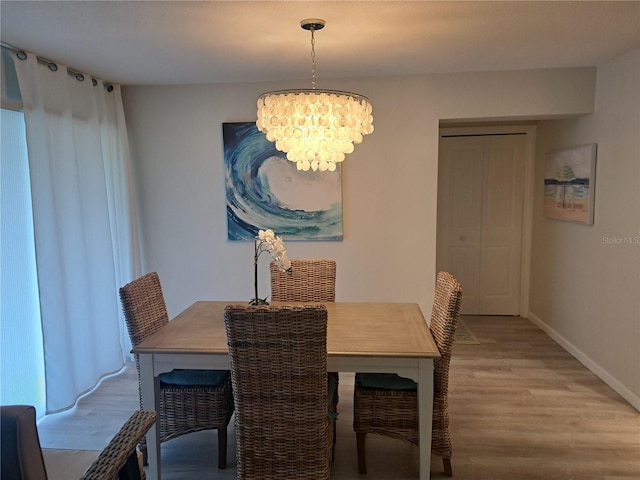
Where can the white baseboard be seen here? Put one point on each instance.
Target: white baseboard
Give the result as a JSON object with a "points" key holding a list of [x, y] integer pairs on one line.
{"points": [[605, 376]]}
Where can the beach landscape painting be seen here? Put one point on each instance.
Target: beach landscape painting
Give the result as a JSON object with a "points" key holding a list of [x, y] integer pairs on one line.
{"points": [[569, 184]]}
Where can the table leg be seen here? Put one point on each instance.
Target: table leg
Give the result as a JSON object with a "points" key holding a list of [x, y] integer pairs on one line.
{"points": [[425, 408], [151, 401]]}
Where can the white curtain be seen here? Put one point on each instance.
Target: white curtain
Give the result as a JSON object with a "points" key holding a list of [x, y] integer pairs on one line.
{"points": [[84, 225]]}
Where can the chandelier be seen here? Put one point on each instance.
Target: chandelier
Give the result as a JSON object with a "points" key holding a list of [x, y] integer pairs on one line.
{"points": [[316, 128]]}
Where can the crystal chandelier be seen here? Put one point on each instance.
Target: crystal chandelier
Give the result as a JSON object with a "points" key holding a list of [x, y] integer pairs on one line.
{"points": [[314, 127]]}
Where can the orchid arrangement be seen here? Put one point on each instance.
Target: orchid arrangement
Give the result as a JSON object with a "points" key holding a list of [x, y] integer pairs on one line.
{"points": [[267, 241]]}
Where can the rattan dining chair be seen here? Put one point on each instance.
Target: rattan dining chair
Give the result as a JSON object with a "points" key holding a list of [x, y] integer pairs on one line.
{"points": [[386, 404], [310, 280], [22, 457], [190, 400], [284, 416]]}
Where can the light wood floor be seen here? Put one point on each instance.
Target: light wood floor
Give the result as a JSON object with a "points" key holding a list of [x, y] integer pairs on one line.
{"points": [[521, 408]]}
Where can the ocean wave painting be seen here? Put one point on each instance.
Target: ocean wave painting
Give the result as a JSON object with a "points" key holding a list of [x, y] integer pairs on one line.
{"points": [[265, 191]]}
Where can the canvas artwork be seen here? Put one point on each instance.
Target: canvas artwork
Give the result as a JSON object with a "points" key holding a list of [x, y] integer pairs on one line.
{"points": [[265, 191], [569, 184]]}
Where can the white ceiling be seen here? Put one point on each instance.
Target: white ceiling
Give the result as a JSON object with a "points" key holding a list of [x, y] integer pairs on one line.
{"points": [[184, 42]]}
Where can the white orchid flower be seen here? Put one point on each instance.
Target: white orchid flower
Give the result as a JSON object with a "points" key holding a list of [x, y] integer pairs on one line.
{"points": [[278, 245], [267, 241], [284, 264], [267, 236]]}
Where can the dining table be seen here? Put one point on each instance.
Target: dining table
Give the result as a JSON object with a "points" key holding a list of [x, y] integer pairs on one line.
{"points": [[361, 337]]}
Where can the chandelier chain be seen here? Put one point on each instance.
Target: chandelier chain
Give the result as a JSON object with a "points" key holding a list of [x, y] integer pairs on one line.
{"points": [[313, 59]]}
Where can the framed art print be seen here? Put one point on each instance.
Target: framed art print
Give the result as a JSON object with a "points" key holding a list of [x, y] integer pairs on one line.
{"points": [[264, 190], [569, 184]]}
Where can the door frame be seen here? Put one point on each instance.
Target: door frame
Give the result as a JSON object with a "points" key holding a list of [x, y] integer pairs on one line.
{"points": [[529, 174]]}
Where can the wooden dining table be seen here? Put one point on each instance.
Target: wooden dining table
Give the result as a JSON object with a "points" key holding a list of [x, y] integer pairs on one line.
{"points": [[361, 337]]}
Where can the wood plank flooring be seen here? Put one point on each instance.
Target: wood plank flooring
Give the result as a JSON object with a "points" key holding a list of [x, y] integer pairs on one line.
{"points": [[521, 408]]}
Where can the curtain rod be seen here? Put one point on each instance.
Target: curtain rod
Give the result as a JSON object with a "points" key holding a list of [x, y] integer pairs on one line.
{"points": [[53, 66]]}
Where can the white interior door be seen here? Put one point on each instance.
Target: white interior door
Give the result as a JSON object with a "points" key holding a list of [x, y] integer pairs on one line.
{"points": [[480, 219], [460, 215]]}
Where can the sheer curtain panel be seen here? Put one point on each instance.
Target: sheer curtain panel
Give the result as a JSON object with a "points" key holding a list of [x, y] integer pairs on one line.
{"points": [[21, 357], [84, 226]]}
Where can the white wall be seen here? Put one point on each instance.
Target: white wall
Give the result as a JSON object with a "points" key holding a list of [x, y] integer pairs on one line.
{"points": [[585, 280], [389, 182]]}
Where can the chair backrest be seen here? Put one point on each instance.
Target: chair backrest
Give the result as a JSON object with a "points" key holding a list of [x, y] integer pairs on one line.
{"points": [[279, 375], [21, 456], [444, 320], [144, 308], [310, 280]]}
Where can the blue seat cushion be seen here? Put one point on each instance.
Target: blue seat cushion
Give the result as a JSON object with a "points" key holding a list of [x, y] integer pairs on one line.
{"points": [[210, 378], [386, 381]]}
